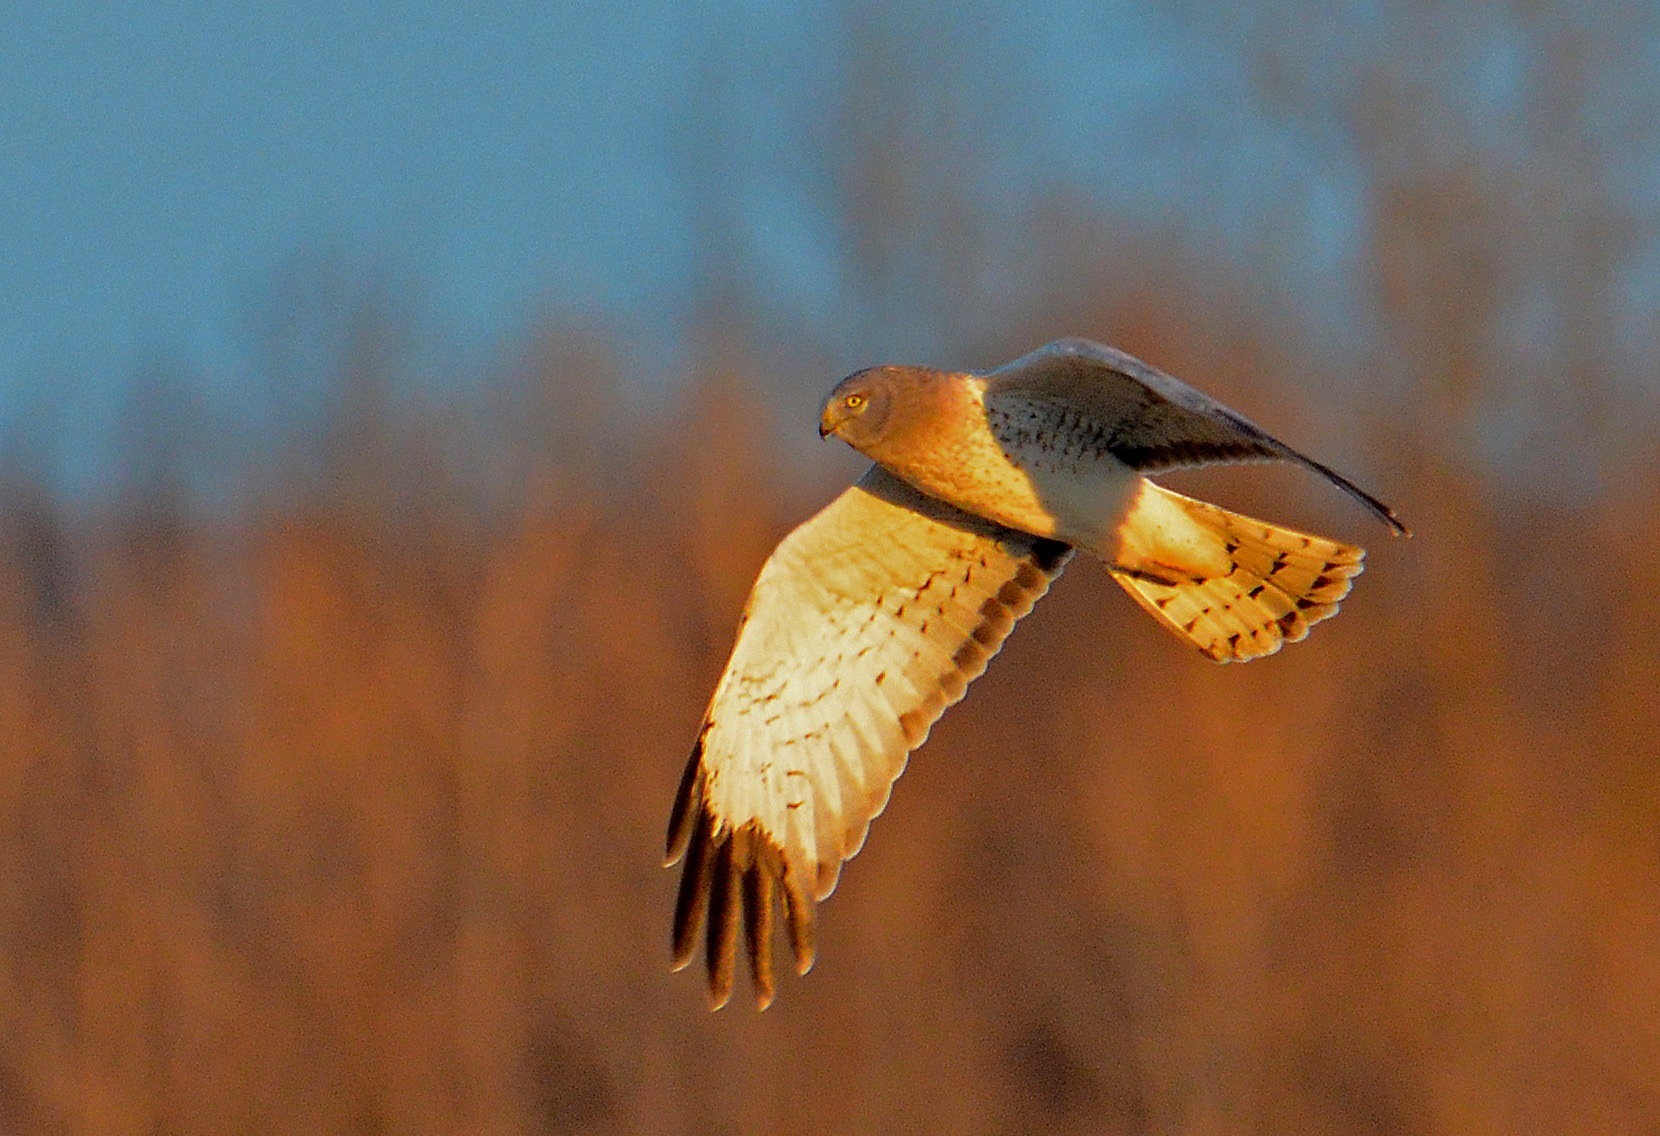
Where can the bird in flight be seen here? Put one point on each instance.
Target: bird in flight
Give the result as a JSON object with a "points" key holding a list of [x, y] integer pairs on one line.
{"points": [[874, 616]]}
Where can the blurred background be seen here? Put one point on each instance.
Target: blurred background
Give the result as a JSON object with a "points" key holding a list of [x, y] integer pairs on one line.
{"points": [[396, 403]]}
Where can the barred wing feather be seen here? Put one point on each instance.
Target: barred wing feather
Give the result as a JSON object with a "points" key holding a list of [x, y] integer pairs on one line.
{"points": [[866, 623]]}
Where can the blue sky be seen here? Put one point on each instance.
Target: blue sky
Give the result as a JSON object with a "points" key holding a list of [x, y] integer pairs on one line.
{"points": [[159, 158], [161, 163]]}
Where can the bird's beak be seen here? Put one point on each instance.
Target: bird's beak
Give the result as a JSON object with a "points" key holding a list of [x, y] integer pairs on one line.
{"points": [[830, 421]]}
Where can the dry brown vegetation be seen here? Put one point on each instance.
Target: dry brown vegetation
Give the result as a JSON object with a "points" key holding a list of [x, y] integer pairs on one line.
{"points": [[340, 810]]}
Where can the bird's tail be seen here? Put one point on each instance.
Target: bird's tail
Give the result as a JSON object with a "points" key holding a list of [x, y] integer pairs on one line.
{"points": [[1234, 587]]}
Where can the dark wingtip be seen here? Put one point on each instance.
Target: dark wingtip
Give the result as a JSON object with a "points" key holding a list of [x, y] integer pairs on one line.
{"points": [[798, 920], [1397, 527], [731, 877], [1383, 512], [759, 884], [693, 898], [690, 791], [724, 901]]}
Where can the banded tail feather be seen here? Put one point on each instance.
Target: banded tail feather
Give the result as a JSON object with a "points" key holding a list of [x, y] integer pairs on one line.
{"points": [[1235, 587]]}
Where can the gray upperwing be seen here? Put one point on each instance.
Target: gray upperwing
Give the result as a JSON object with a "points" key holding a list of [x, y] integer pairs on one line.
{"points": [[1152, 421]]}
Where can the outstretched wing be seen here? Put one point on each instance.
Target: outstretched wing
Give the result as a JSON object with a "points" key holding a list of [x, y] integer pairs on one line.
{"points": [[1147, 419], [864, 625]]}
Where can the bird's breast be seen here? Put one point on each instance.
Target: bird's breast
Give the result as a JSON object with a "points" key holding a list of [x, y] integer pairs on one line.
{"points": [[1025, 464]]}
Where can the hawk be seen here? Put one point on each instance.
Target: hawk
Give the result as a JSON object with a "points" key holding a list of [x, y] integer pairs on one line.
{"points": [[874, 616]]}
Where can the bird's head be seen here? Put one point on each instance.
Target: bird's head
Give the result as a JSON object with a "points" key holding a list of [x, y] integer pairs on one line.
{"points": [[859, 407], [871, 406]]}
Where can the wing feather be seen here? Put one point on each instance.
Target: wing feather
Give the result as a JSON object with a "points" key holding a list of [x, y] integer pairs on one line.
{"points": [[723, 918], [865, 624], [1147, 419], [760, 884]]}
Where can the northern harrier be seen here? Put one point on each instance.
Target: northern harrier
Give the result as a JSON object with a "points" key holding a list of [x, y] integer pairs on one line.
{"points": [[875, 615]]}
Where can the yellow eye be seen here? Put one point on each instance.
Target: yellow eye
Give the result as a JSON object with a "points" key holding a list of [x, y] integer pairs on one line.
{"points": [[853, 401]]}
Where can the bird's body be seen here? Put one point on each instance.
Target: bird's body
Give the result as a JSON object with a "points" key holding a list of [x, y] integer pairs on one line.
{"points": [[872, 618], [1026, 463]]}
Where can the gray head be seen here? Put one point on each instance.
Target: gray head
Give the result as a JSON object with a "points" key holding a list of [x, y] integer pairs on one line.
{"points": [[876, 406]]}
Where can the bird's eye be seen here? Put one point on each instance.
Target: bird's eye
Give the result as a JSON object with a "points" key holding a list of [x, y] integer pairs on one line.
{"points": [[853, 401]]}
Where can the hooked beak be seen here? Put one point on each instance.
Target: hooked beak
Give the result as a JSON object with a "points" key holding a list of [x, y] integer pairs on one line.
{"points": [[832, 418]]}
